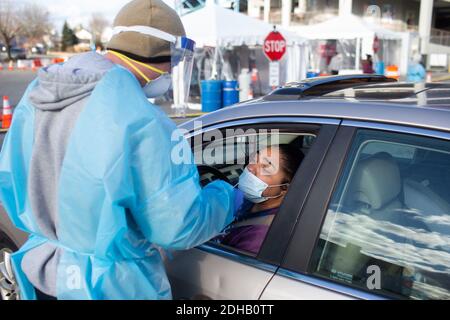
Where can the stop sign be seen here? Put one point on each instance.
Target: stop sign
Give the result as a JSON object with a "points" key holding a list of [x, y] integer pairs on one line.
{"points": [[274, 46]]}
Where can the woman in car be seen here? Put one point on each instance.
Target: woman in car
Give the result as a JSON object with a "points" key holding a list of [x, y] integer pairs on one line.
{"points": [[263, 186]]}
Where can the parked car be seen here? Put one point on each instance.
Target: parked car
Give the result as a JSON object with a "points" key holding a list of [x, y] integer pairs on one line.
{"points": [[38, 49], [367, 215], [18, 53]]}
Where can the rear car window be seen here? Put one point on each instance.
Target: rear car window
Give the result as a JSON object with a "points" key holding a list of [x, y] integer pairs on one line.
{"points": [[387, 228]]}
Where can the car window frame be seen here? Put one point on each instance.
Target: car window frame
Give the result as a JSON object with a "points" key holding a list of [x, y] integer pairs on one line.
{"points": [[299, 255], [326, 129]]}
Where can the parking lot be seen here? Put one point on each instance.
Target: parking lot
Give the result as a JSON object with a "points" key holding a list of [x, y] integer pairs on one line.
{"points": [[14, 83]]}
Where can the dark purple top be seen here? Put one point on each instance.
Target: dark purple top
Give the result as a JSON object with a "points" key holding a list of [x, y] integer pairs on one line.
{"points": [[248, 238]]}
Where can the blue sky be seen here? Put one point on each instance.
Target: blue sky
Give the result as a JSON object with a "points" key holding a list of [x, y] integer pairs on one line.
{"points": [[79, 11]]}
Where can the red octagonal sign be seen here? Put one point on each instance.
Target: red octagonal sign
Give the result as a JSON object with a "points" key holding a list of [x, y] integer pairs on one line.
{"points": [[274, 46]]}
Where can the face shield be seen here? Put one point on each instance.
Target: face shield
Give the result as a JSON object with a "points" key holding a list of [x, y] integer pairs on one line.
{"points": [[182, 59], [182, 64]]}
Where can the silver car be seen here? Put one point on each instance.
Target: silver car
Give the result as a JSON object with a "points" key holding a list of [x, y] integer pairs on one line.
{"points": [[367, 215]]}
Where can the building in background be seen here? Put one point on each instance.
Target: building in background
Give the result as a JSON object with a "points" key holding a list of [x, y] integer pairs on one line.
{"points": [[428, 19], [401, 29]]}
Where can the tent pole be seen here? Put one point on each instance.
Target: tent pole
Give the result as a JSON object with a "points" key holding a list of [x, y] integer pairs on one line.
{"points": [[358, 53]]}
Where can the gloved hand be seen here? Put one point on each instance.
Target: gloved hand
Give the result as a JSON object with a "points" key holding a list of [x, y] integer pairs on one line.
{"points": [[238, 200]]}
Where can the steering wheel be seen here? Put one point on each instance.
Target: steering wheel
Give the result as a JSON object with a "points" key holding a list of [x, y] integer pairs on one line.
{"points": [[203, 169]]}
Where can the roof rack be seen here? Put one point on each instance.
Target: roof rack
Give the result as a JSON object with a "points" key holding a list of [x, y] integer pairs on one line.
{"points": [[316, 87]]}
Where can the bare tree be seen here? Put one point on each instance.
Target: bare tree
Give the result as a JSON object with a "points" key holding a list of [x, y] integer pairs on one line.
{"points": [[10, 24], [36, 24], [97, 25]]}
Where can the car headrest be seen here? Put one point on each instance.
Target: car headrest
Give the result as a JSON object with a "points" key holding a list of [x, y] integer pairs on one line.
{"points": [[376, 181]]}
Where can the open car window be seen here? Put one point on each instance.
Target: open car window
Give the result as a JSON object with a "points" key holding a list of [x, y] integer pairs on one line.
{"points": [[230, 156]]}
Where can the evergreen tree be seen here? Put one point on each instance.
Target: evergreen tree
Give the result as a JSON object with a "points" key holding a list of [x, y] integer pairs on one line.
{"points": [[69, 38]]}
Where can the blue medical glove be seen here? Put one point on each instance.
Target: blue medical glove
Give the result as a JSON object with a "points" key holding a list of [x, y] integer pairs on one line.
{"points": [[238, 200]]}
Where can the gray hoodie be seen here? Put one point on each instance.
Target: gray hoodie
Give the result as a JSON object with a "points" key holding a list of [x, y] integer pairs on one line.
{"points": [[59, 97]]}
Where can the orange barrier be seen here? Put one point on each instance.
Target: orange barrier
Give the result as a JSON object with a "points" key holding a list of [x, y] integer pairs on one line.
{"points": [[37, 63], [7, 113], [392, 72], [58, 60], [32, 64]]}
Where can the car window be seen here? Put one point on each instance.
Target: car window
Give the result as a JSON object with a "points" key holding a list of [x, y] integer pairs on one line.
{"points": [[387, 227], [231, 156]]}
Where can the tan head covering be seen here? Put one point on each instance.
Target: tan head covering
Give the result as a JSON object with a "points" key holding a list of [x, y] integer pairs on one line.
{"points": [[150, 13]]}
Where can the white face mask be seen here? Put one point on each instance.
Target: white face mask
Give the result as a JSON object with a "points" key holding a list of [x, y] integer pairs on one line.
{"points": [[153, 88], [159, 86], [253, 187]]}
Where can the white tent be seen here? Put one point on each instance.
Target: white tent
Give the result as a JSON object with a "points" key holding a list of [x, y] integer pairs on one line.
{"points": [[346, 27], [349, 27], [214, 26]]}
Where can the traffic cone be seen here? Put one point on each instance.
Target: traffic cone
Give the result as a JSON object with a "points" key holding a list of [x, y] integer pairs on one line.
{"points": [[11, 65], [429, 77], [7, 113], [33, 66], [1, 66]]}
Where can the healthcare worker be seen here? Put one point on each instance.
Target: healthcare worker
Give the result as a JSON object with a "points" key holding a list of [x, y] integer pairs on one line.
{"points": [[416, 72], [86, 168]]}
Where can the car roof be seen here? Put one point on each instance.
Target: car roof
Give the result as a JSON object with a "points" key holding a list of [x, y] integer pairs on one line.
{"points": [[430, 94], [323, 85], [426, 116]]}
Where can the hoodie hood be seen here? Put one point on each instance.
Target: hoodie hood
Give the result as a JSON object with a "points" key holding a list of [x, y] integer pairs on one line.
{"points": [[62, 85]]}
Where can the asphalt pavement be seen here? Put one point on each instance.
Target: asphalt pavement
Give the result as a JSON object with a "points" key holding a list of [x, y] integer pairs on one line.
{"points": [[14, 83]]}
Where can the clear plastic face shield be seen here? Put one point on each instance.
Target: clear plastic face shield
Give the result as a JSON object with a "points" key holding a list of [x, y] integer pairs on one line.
{"points": [[182, 62]]}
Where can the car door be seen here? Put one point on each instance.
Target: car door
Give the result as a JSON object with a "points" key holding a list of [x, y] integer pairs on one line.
{"points": [[375, 225], [215, 271]]}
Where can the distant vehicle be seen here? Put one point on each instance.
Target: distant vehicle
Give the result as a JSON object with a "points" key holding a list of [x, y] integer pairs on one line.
{"points": [[18, 53], [38, 50], [3, 54]]}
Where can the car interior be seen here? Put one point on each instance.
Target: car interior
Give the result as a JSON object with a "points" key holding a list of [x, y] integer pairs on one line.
{"points": [[236, 151]]}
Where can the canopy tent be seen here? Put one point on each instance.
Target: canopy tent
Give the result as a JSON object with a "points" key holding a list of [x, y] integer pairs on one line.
{"points": [[346, 27], [351, 27], [215, 26], [218, 27]]}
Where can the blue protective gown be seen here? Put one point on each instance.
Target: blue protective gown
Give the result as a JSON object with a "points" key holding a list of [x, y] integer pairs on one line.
{"points": [[120, 195], [416, 73]]}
